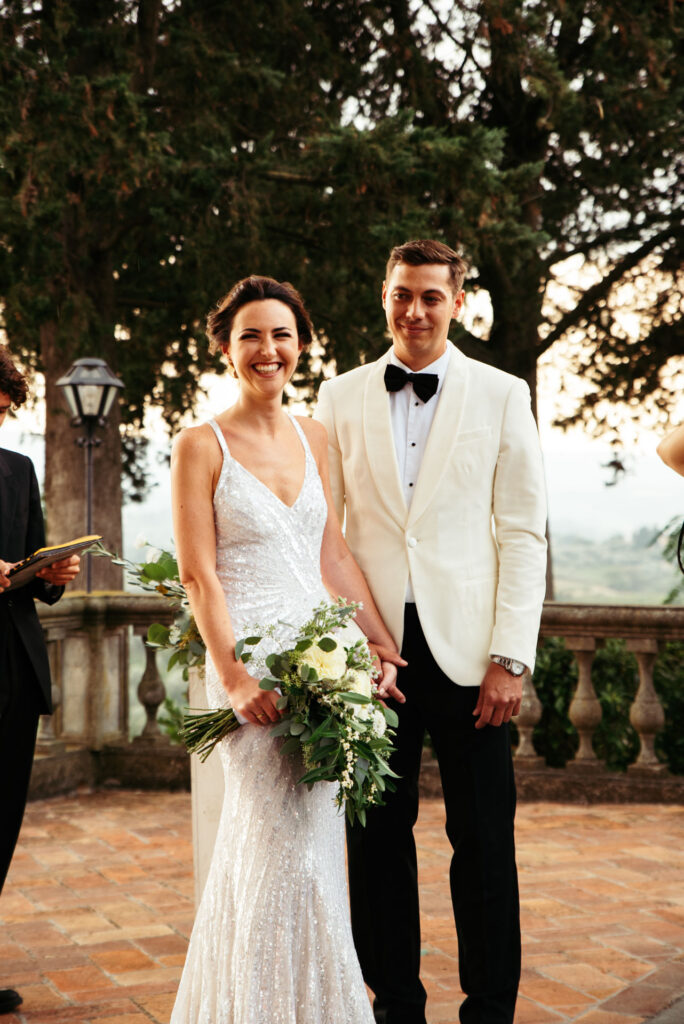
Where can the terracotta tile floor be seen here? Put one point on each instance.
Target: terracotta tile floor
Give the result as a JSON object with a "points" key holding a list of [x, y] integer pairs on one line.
{"points": [[99, 903]]}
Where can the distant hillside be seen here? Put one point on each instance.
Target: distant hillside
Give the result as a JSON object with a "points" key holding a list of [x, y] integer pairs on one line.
{"points": [[617, 570]]}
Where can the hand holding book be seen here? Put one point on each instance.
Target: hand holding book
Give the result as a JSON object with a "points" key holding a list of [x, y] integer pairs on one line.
{"points": [[58, 564]]}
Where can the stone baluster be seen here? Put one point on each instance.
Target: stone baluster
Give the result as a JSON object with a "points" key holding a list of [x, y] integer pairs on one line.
{"points": [[585, 709], [151, 693], [530, 713], [47, 741], [646, 714]]}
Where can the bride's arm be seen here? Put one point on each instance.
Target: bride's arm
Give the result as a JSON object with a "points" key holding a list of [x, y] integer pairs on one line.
{"points": [[342, 575], [195, 467]]}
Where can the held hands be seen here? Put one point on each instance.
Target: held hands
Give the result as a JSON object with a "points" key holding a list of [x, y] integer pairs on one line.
{"points": [[61, 573], [248, 699], [500, 697], [388, 662]]}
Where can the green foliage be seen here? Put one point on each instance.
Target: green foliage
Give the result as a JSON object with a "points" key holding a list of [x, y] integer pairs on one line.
{"points": [[171, 720], [555, 679], [668, 678], [614, 676]]}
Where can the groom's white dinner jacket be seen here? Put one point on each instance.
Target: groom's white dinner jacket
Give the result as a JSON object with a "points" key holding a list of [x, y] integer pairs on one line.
{"points": [[473, 539]]}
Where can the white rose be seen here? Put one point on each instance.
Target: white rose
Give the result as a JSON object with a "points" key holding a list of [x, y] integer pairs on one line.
{"points": [[141, 541], [328, 664], [153, 555], [359, 682]]}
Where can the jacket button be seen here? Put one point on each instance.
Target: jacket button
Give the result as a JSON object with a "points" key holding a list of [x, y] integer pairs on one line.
{"points": [[412, 542]]}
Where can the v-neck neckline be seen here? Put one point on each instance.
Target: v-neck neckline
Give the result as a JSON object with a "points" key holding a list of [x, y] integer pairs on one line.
{"points": [[302, 440]]}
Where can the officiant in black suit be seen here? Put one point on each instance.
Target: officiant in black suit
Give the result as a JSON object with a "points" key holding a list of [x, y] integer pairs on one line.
{"points": [[24, 671]]}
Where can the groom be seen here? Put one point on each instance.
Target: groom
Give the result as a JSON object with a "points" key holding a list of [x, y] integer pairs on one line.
{"points": [[435, 461]]}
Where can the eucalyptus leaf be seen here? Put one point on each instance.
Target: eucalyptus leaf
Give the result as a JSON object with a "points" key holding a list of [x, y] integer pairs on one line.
{"points": [[391, 717], [290, 745], [158, 635], [281, 728]]}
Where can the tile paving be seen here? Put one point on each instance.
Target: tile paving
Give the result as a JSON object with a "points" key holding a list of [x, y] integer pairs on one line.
{"points": [[98, 906]]}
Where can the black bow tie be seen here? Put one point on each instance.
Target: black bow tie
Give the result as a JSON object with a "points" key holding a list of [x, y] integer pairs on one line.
{"points": [[424, 384]]}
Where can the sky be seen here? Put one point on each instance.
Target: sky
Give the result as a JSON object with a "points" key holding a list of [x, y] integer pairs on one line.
{"points": [[580, 503]]}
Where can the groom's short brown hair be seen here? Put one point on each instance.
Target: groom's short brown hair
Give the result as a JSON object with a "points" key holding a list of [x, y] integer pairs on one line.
{"points": [[427, 250]]}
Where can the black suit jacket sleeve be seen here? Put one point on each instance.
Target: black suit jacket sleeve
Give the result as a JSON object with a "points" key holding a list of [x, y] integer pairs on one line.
{"points": [[21, 533]]}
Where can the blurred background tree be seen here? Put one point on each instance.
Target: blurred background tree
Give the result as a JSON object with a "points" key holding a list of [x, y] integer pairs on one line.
{"points": [[155, 152]]}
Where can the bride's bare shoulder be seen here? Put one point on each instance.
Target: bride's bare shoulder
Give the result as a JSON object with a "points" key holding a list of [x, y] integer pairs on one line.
{"points": [[196, 443], [315, 432]]}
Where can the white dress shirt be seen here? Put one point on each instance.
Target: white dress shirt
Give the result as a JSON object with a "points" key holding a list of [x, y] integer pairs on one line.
{"points": [[411, 422]]}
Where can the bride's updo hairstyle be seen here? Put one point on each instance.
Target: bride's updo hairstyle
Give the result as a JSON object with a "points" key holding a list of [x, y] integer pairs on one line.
{"points": [[255, 289]]}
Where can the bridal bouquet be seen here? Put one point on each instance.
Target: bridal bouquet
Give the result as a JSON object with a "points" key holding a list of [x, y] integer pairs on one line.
{"points": [[329, 714]]}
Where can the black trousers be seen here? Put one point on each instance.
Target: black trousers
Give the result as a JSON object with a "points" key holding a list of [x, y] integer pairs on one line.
{"points": [[21, 704], [479, 793]]}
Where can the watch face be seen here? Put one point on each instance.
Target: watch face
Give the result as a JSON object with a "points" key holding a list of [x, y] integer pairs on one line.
{"points": [[517, 668]]}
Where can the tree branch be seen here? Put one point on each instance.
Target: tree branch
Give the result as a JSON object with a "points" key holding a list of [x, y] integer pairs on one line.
{"points": [[600, 290], [599, 241]]}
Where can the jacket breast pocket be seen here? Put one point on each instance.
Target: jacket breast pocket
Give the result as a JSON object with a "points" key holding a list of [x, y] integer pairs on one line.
{"points": [[473, 451]]}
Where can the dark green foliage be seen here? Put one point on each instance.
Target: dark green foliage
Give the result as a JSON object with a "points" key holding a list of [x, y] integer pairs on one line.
{"points": [[668, 678], [171, 720], [555, 679], [615, 678]]}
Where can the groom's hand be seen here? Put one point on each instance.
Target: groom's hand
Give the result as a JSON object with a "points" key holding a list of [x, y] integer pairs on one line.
{"points": [[500, 697], [387, 682]]}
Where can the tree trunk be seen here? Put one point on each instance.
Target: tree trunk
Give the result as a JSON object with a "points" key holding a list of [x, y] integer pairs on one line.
{"points": [[65, 472]]}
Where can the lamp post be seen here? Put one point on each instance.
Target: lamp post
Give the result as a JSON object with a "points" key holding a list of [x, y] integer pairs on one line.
{"points": [[89, 388]]}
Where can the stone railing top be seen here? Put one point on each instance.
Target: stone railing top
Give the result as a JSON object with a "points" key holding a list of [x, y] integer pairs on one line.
{"points": [[77, 610], [629, 622]]}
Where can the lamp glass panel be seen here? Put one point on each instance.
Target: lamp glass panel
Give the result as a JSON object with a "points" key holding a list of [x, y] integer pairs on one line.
{"points": [[70, 395], [109, 398], [90, 395]]}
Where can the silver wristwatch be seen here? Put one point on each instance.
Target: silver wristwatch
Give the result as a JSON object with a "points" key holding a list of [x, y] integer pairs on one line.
{"points": [[516, 668]]}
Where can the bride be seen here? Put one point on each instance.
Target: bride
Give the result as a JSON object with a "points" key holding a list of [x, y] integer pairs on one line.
{"points": [[258, 544]]}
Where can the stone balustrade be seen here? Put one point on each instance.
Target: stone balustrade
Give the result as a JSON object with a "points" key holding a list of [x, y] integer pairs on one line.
{"points": [[584, 628], [87, 742]]}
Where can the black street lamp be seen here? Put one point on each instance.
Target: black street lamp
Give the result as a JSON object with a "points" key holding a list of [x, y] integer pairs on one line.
{"points": [[89, 388]]}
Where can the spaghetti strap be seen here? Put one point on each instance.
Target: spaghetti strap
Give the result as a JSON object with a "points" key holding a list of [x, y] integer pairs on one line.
{"points": [[221, 439], [302, 437]]}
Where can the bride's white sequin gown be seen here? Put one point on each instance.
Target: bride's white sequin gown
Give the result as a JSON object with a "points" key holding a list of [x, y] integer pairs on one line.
{"points": [[272, 940]]}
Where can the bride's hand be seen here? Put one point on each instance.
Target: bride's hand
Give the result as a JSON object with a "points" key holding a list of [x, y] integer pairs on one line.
{"points": [[249, 700], [388, 661]]}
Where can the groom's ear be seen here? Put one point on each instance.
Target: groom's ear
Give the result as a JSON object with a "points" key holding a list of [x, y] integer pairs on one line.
{"points": [[458, 304]]}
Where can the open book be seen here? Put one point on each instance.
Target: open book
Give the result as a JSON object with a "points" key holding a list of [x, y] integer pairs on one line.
{"points": [[24, 571]]}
